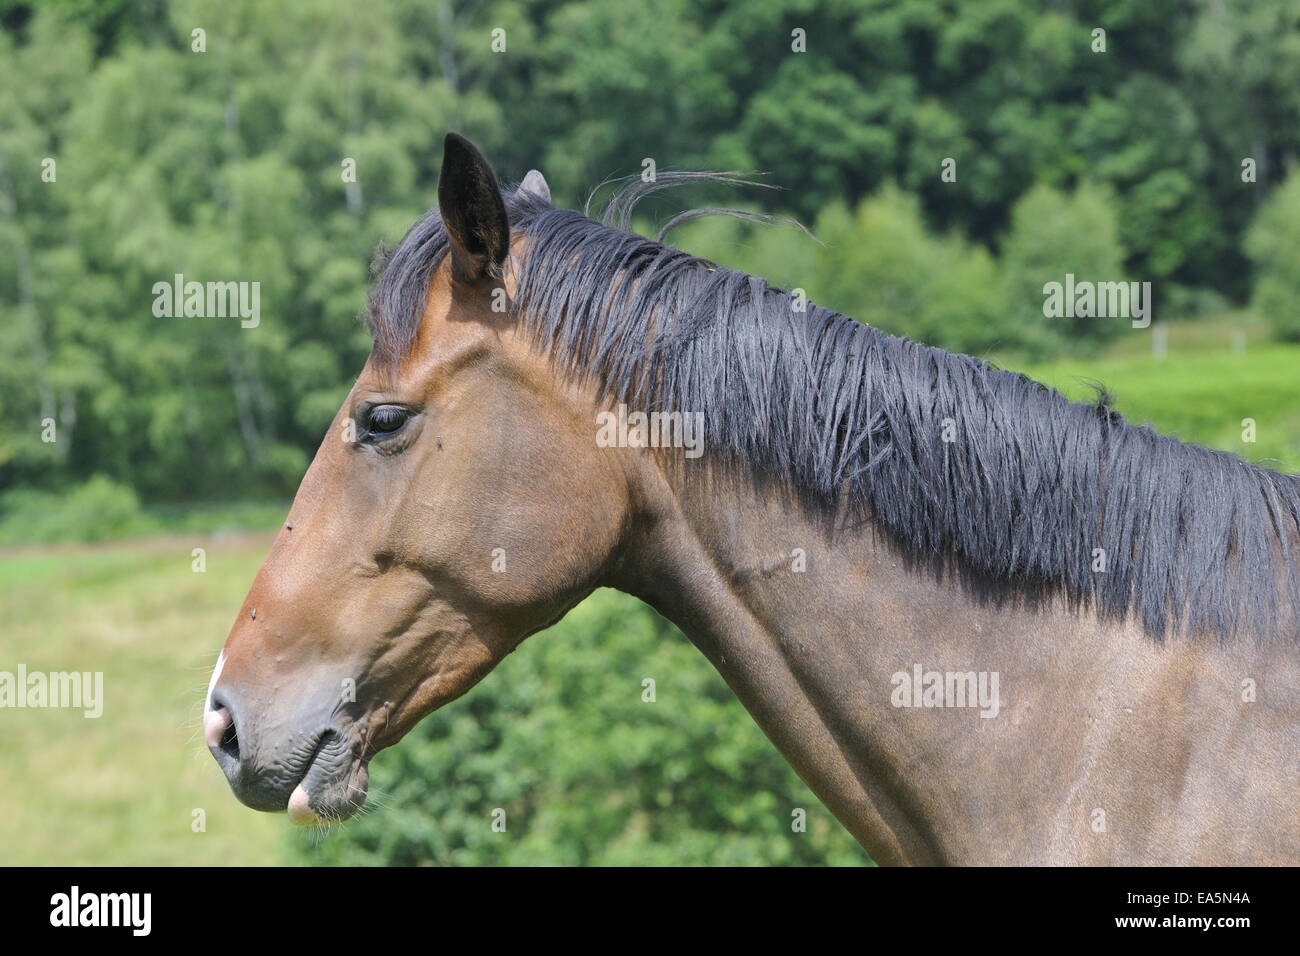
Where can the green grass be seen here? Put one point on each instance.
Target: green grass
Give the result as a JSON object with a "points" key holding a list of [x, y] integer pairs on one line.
{"points": [[121, 788]]}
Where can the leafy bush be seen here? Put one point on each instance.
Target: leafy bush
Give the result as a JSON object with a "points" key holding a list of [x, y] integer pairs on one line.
{"points": [[101, 509], [97, 510], [1273, 244]]}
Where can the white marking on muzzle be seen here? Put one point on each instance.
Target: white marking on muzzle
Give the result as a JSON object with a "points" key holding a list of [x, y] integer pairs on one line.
{"points": [[216, 676]]}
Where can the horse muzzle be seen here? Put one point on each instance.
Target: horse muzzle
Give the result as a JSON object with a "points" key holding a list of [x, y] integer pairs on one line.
{"points": [[308, 764]]}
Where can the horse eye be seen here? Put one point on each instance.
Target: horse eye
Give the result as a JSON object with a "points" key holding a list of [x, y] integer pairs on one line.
{"points": [[386, 419]]}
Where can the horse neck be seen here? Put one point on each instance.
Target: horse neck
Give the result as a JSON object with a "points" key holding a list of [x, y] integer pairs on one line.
{"points": [[811, 618]]}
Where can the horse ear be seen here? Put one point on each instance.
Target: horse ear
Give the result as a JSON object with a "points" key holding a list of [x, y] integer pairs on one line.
{"points": [[472, 209], [535, 183]]}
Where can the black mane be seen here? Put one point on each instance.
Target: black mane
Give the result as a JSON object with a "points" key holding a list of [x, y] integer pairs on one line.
{"points": [[1194, 539]]}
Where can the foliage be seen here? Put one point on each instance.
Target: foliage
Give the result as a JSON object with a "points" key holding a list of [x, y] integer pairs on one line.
{"points": [[102, 510], [227, 164], [99, 510], [1273, 243], [1053, 235]]}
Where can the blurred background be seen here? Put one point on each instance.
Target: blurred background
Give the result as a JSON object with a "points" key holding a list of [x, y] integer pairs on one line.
{"points": [[133, 148]]}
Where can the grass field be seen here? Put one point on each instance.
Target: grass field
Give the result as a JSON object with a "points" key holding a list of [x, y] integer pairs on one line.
{"points": [[122, 789]]}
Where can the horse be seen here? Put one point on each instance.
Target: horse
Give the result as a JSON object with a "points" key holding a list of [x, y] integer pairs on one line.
{"points": [[985, 624]]}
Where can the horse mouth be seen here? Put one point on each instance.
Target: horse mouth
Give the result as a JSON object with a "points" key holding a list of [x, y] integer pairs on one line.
{"points": [[322, 779], [332, 786]]}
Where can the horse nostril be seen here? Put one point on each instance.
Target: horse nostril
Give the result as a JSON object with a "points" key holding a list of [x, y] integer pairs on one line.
{"points": [[230, 742], [219, 730]]}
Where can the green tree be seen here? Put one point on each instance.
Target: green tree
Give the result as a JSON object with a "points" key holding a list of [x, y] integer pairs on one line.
{"points": [[1053, 233], [1273, 244]]}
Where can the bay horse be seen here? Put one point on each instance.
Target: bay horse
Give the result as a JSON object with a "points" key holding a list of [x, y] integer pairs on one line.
{"points": [[985, 624]]}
